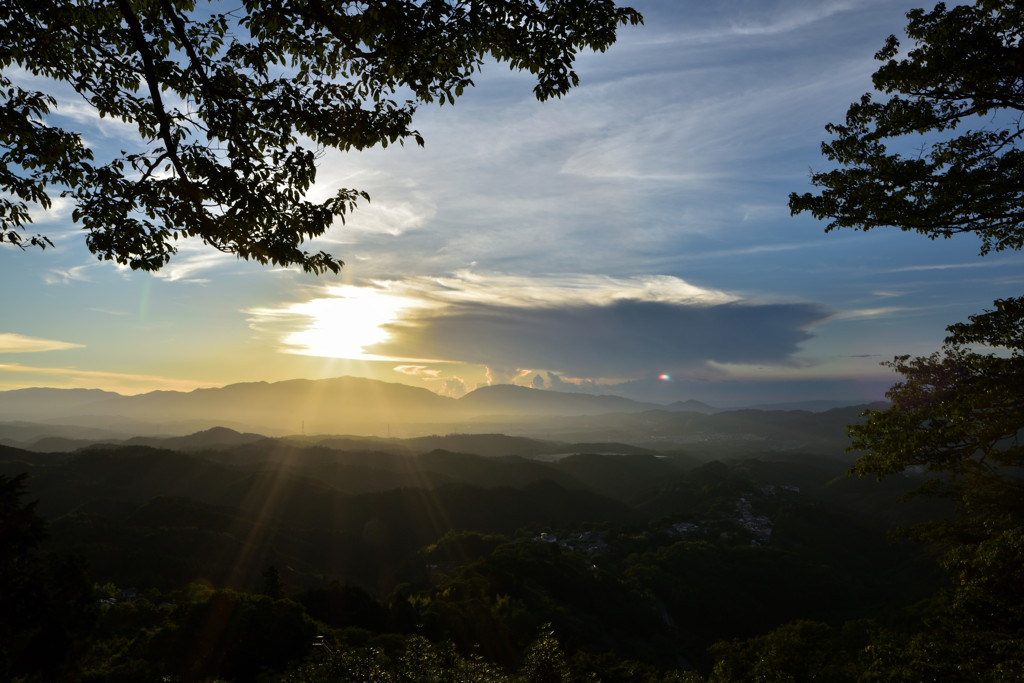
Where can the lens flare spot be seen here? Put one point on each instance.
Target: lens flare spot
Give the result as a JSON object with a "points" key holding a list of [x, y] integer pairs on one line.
{"points": [[664, 377]]}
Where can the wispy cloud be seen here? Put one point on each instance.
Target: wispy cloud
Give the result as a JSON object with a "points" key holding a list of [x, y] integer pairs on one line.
{"points": [[59, 211], [790, 18], [877, 312], [83, 113], [396, 209], [737, 126], [946, 266], [193, 258], [761, 249], [729, 21], [488, 287], [113, 381], [18, 343], [72, 106], [67, 275]]}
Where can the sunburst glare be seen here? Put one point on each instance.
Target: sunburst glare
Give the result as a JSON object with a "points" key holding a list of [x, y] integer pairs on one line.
{"points": [[347, 323]]}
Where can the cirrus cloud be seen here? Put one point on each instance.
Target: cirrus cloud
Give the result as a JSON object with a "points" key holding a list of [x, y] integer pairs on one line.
{"points": [[19, 343]]}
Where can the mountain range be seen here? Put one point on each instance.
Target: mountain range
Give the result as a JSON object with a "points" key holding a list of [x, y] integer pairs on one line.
{"points": [[339, 405], [377, 414]]}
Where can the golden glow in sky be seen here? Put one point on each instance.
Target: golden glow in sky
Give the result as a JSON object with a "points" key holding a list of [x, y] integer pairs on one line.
{"points": [[636, 231], [345, 323]]}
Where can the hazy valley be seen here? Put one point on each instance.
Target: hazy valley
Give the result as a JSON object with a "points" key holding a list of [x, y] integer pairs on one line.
{"points": [[642, 534]]}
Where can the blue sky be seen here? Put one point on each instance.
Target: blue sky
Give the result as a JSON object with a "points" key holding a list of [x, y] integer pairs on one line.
{"points": [[631, 238]]}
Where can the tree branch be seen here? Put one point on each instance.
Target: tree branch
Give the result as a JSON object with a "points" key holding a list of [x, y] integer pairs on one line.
{"points": [[153, 83]]}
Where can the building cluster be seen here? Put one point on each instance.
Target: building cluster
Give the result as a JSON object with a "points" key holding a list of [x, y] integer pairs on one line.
{"points": [[586, 542], [759, 526]]}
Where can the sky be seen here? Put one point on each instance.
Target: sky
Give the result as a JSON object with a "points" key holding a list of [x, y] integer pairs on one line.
{"points": [[630, 238]]}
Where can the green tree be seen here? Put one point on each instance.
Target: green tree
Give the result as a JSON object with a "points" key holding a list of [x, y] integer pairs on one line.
{"points": [[233, 106], [47, 606], [544, 661], [799, 651], [273, 584], [957, 98], [941, 154], [233, 635], [21, 530], [958, 417]]}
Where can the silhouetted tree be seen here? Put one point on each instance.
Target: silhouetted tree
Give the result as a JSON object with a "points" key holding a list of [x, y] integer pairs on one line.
{"points": [[958, 417], [273, 586], [223, 101], [235, 635], [46, 602], [942, 155]]}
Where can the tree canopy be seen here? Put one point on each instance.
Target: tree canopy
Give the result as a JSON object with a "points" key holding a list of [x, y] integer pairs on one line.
{"points": [[958, 416], [941, 153], [46, 600], [234, 104], [958, 410], [958, 95]]}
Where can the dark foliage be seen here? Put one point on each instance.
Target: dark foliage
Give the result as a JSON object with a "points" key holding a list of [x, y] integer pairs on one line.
{"points": [[222, 101], [46, 602]]}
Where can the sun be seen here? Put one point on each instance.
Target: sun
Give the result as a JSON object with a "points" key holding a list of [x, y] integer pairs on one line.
{"points": [[346, 323]]}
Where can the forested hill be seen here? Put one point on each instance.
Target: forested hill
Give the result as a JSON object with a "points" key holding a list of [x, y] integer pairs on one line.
{"points": [[638, 559]]}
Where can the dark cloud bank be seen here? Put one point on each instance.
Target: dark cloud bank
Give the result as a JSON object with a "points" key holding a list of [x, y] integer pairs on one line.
{"points": [[627, 338]]}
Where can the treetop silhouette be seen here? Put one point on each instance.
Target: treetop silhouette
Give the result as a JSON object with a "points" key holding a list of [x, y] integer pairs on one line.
{"points": [[233, 107]]}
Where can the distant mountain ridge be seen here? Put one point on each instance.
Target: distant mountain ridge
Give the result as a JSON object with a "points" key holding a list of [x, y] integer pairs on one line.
{"points": [[292, 406], [35, 399], [359, 406], [338, 405], [215, 437], [499, 399], [694, 406]]}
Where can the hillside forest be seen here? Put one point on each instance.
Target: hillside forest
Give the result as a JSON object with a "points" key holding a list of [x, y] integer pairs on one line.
{"points": [[745, 554]]}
